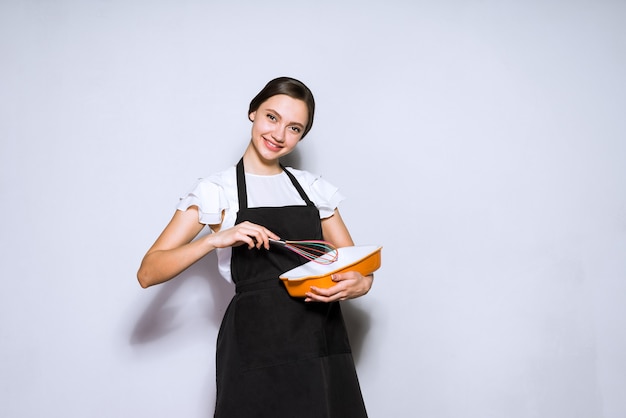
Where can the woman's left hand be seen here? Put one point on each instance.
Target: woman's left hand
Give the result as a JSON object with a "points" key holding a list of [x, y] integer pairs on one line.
{"points": [[349, 285]]}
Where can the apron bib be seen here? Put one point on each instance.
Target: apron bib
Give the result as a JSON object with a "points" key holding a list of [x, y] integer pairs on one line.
{"points": [[278, 356]]}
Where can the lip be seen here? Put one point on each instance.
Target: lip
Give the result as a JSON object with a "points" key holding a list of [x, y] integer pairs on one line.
{"points": [[272, 145]]}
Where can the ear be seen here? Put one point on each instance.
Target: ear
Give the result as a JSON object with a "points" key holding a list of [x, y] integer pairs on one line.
{"points": [[251, 116]]}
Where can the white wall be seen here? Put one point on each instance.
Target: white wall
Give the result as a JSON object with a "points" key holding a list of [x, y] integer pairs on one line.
{"points": [[481, 142]]}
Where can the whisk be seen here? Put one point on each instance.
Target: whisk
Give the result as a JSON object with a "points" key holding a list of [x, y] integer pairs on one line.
{"points": [[322, 252]]}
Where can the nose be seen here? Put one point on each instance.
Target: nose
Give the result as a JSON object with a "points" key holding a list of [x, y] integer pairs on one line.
{"points": [[279, 134]]}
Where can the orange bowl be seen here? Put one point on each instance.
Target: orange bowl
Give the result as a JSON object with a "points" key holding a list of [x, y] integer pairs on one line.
{"points": [[363, 259]]}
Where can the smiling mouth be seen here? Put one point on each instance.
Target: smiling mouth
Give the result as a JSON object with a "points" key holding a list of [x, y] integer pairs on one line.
{"points": [[272, 145]]}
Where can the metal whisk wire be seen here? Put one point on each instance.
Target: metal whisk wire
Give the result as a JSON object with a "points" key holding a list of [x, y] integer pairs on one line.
{"points": [[318, 251]]}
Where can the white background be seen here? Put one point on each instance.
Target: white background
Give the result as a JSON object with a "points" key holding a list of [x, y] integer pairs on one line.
{"points": [[482, 143]]}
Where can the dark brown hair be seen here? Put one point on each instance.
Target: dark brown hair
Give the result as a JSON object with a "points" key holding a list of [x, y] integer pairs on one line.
{"points": [[290, 87]]}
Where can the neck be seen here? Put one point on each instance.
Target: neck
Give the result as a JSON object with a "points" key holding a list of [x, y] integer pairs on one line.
{"points": [[254, 164]]}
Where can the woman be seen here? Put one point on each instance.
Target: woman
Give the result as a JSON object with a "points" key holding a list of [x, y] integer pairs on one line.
{"points": [[277, 356]]}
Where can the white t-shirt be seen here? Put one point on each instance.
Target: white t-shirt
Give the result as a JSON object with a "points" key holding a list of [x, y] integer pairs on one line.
{"points": [[218, 193]]}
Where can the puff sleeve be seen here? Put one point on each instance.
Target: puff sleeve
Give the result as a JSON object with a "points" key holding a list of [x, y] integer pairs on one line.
{"points": [[324, 194], [209, 197]]}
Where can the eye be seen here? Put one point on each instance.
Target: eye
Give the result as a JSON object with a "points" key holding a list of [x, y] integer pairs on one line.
{"points": [[296, 129], [271, 117]]}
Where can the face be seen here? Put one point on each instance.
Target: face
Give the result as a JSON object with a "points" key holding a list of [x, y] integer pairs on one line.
{"points": [[277, 126]]}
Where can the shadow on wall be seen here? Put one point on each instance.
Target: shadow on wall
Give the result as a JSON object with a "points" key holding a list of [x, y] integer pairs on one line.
{"points": [[200, 287], [358, 324]]}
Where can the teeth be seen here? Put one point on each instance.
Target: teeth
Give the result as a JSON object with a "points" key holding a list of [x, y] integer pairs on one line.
{"points": [[273, 145]]}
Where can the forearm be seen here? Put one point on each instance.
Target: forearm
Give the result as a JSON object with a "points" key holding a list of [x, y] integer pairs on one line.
{"points": [[159, 266], [175, 250]]}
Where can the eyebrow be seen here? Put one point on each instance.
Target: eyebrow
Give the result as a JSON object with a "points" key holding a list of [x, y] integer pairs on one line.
{"points": [[280, 116]]}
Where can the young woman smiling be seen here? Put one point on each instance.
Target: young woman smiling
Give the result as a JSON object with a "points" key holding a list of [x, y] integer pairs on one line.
{"points": [[277, 356]]}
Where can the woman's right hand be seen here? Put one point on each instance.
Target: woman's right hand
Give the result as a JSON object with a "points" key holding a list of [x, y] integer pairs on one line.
{"points": [[245, 233]]}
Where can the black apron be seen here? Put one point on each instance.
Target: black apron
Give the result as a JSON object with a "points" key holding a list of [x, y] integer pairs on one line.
{"points": [[278, 356]]}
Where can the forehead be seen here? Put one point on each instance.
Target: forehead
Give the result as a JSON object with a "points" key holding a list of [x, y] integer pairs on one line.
{"points": [[287, 107]]}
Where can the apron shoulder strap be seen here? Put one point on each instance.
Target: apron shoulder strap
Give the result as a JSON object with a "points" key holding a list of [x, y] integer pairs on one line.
{"points": [[241, 186], [298, 187]]}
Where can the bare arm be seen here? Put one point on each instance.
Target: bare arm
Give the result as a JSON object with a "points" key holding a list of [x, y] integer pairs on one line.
{"points": [[335, 231], [174, 250], [350, 284]]}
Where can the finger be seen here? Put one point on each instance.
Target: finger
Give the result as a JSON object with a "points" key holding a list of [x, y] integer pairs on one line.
{"points": [[260, 234], [318, 291], [263, 238], [339, 277], [253, 239], [253, 236], [311, 297], [332, 293], [267, 235], [250, 240]]}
